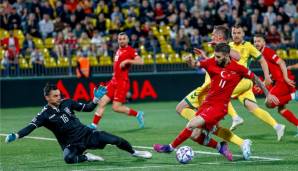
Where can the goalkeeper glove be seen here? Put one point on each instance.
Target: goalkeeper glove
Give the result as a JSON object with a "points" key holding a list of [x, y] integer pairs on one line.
{"points": [[99, 93], [11, 137]]}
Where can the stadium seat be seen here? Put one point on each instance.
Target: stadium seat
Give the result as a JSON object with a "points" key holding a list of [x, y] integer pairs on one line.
{"points": [[148, 59], [3, 33], [38, 42], [155, 31], [183, 54], [143, 50], [23, 63], [165, 30], [108, 24], [293, 53], [62, 62], [93, 61], [174, 58], [49, 43], [19, 34], [45, 53], [50, 63], [74, 61], [282, 53], [2, 52], [161, 58], [105, 60]]}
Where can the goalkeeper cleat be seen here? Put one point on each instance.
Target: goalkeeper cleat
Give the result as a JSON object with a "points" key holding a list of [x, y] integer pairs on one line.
{"points": [[92, 157], [142, 154], [237, 121]]}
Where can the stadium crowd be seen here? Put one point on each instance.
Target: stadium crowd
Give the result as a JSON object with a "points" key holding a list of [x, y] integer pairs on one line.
{"points": [[77, 27]]}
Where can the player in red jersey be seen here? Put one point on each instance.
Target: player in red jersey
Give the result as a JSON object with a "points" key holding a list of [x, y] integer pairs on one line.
{"points": [[284, 85], [119, 85], [225, 74]]}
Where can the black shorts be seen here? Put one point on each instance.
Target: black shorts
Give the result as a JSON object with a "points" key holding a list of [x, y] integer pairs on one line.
{"points": [[94, 140]]}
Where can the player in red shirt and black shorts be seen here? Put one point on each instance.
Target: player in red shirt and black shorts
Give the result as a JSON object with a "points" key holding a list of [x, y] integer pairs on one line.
{"points": [[225, 74], [119, 85], [284, 82]]}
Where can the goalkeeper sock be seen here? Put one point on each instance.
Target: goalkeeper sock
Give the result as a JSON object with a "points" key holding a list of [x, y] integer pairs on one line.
{"points": [[188, 113], [264, 116], [229, 136]]}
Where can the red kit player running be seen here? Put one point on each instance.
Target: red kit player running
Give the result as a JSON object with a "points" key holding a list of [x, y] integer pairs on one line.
{"points": [[284, 84], [119, 85], [225, 74]]}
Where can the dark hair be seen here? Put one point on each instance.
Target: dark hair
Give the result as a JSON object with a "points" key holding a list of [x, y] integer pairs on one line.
{"points": [[222, 47], [122, 34], [237, 26], [224, 31], [48, 88], [260, 35]]}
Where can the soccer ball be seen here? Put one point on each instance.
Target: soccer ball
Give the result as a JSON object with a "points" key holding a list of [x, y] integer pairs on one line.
{"points": [[184, 154]]}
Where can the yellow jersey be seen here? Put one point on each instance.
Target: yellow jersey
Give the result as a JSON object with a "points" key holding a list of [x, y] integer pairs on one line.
{"points": [[247, 52]]}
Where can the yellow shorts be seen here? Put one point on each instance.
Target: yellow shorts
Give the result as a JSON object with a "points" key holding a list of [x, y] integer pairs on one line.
{"points": [[244, 91], [195, 98]]}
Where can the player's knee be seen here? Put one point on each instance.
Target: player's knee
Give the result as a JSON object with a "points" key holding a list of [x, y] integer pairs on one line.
{"points": [[69, 159], [178, 109], [269, 105], [116, 108]]}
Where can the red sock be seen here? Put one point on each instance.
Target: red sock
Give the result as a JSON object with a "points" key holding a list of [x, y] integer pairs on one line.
{"points": [[132, 112], [289, 116], [200, 140], [96, 119], [184, 135]]}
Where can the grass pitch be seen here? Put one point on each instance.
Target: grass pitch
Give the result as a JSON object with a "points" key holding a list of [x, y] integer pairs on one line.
{"points": [[162, 124]]}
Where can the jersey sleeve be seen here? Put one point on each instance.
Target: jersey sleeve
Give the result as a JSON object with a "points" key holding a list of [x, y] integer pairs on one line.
{"points": [[272, 57], [39, 119], [254, 52], [245, 72], [133, 53], [77, 106]]}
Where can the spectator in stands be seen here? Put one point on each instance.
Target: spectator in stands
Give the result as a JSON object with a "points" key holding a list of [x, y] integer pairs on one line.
{"points": [[195, 38], [12, 44], [59, 45], [37, 61], [78, 30], [182, 41], [273, 37], [98, 45], [46, 27], [31, 26], [28, 45], [290, 8], [47, 9], [3, 18], [117, 14], [58, 24], [14, 18], [72, 22], [19, 5], [146, 12], [101, 25], [159, 14], [10, 63], [102, 8], [271, 15], [71, 43], [287, 37], [72, 5], [85, 43]]}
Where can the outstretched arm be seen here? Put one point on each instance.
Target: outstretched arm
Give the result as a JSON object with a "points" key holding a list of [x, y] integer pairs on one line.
{"points": [[284, 70], [191, 61], [295, 66], [98, 94], [265, 69], [23, 132], [136, 61], [269, 97]]}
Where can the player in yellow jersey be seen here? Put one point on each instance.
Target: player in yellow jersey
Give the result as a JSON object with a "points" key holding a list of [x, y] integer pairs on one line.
{"points": [[187, 107], [246, 97]]}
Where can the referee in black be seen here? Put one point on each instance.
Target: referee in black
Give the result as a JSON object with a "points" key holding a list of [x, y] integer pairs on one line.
{"points": [[74, 138]]}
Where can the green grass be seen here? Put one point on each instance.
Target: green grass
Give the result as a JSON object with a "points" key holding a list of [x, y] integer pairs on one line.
{"points": [[162, 125]]}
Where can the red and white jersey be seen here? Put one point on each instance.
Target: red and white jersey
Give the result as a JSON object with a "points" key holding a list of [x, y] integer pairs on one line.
{"points": [[223, 81], [123, 54], [271, 59]]}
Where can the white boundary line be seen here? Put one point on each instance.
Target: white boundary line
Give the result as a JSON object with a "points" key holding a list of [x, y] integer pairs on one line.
{"points": [[150, 148]]}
